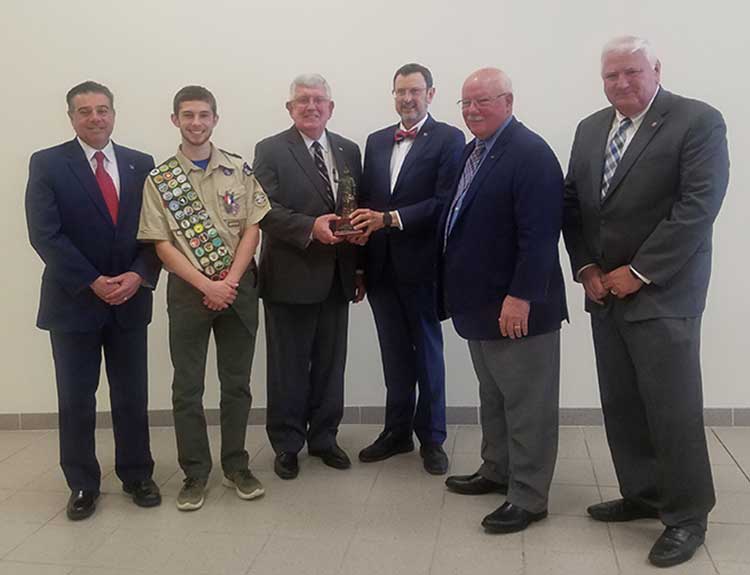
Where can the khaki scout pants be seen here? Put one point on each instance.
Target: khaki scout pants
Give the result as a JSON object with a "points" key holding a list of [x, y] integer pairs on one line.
{"points": [[190, 325]]}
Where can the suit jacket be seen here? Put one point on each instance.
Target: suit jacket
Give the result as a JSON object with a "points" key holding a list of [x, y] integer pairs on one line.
{"points": [[504, 241], [292, 268], [659, 211], [71, 230], [424, 184]]}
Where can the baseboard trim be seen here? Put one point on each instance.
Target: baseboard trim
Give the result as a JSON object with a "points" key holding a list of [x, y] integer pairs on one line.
{"points": [[369, 415]]}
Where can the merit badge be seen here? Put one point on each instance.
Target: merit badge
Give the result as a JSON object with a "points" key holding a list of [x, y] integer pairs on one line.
{"points": [[183, 201], [184, 224], [197, 227], [222, 251], [203, 237], [192, 196], [259, 199], [154, 172], [247, 170], [163, 187], [209, 248], [213, 256], [210, 270], [228, 172], [186, 187], [230, 203], [172, 184], [173, 164], [188, 211], [216, 242], [219, 265], [167, 196], [195, 243], [199, 251], [227, 260], [207, 224], [204, 261], [196, 204], [177, 171], [167, 176], [174, 206], [158, 179], [179, 215], [212, 233], [163, 168], [182, 178]]}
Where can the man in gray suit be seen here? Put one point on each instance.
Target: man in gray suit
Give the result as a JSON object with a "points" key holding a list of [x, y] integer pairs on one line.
{"points": [[646, 180], [307, 277]]}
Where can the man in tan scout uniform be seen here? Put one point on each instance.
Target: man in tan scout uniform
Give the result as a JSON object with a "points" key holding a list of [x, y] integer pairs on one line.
{"points": [[202, 208]]}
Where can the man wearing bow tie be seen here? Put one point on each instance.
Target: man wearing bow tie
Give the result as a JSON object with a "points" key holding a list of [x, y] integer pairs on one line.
{"points": [[408, 172], [83, 200], [646, 179]]}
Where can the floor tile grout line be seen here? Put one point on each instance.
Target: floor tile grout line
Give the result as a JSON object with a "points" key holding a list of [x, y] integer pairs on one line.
{"points": [[729, 451]]}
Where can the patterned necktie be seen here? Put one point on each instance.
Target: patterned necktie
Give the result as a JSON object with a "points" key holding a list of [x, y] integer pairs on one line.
{"points": [[615, 149], [320, 164], [107, 186], [402, 135], [470, 170]]}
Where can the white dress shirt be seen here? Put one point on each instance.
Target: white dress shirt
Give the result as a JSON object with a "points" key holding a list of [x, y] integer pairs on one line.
{"points": [[110, 161]]}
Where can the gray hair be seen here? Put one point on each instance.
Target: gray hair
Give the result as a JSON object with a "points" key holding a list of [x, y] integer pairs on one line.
{"points": [[630, 45], [309, 81]]}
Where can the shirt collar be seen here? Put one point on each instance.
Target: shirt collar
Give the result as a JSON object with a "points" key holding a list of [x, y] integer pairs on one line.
{"points": [[108, 150], [417, 126], [323, 141], [489, 142], [636, 119], [216, 160]]}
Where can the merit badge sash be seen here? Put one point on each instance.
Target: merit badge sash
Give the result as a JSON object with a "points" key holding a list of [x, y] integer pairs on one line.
{"points": [[181, 201]]}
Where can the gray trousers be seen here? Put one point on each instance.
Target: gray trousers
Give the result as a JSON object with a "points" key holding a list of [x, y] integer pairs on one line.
{"points": [[652, 398], [519, 389]]}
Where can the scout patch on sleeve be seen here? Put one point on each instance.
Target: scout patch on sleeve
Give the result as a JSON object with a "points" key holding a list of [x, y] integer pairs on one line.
{"points": [[260, 199], [246, 169]]}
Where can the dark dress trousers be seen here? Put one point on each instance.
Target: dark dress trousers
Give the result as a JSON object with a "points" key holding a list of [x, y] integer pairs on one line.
{"points": [[72, 231], [657, 217], [306, 288], [400, 267]]}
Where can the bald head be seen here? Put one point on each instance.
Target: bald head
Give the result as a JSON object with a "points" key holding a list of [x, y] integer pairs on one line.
{"points": [[486, 101]]}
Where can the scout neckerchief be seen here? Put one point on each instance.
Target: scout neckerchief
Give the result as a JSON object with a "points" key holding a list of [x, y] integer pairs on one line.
{"points": [[181, 201]]}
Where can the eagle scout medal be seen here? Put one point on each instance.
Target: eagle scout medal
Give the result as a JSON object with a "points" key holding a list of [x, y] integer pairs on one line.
{"points": [[181, 201]]}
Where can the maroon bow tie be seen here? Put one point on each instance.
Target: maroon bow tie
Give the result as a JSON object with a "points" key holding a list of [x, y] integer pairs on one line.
{"points": [[401, 135]]}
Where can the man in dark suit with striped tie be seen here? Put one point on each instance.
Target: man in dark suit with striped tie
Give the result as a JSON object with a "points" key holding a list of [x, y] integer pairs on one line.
{"points": [[306, 277], [83, 201]]}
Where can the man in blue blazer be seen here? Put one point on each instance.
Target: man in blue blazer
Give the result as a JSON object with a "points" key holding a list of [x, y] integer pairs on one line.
{"points": [[503, 287], [409, 172], [83, 201]]}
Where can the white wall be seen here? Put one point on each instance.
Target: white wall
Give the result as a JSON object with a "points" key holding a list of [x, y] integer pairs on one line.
{"points": [[247, 53]]}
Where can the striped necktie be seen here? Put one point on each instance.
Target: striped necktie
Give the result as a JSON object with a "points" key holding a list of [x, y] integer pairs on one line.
{"points": [[470, 170], [320, 164], [615, 149]]}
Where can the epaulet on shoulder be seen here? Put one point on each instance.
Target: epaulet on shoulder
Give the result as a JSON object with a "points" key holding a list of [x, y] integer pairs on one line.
{"points": [[232, 154]]}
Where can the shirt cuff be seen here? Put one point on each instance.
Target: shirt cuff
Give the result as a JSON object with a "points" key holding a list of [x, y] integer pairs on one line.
{"points": [[580, 271], [640, 276], [397, 219]]}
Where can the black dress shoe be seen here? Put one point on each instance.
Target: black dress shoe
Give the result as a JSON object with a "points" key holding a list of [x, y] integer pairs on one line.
{"points": [[434, 459], [509, 518], [386, 445], [145, 493], [285, 465], [676, 545], [474, 484], [81, 504], [621, 510], [334, 457]]}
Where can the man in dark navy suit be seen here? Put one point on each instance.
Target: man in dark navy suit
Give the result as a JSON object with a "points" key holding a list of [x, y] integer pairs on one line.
{"points": [[409, 172], [503, 287], [83, 201]]}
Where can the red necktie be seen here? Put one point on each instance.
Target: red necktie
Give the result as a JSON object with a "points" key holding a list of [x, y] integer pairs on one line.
{"points": [[107, 186], [401, 135]]}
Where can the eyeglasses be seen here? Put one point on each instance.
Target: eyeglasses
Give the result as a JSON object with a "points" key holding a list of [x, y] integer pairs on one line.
{"points": [[307, 100], [480, 102], [403, 92]]}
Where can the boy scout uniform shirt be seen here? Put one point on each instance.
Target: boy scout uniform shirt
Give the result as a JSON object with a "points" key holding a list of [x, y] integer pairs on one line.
{"points": [[229, 192]]}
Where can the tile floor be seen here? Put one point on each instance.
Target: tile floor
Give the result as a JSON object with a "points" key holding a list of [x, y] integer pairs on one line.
{"points": [[386, 518]]}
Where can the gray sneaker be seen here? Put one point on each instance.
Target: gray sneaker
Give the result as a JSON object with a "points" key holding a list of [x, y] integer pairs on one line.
{"points": [[192, 495], [244, 483]]}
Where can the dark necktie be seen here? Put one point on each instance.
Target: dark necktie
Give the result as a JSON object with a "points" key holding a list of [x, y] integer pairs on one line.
{"points": [[401, 135], [107, 186], [320, 164]]}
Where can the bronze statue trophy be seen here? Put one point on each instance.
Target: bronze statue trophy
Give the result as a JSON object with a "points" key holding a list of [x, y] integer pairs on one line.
{"points": [[347, 196]]}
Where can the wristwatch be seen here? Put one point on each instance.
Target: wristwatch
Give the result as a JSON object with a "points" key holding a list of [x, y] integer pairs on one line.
{"points": [[387, 219]]}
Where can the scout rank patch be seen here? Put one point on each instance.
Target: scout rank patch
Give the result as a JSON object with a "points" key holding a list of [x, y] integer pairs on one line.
{"points": [[181, 201]]}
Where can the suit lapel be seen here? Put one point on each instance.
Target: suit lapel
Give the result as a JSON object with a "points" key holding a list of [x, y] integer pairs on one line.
{"points": [[81, 168], [490, 159], [597, 156], [126, 170], [652, 122], [415, 152], [302, 155]]}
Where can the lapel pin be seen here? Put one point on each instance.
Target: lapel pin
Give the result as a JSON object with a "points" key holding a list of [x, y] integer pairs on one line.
{"points": [[341, 149], [131, 166], [654, 124]]}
